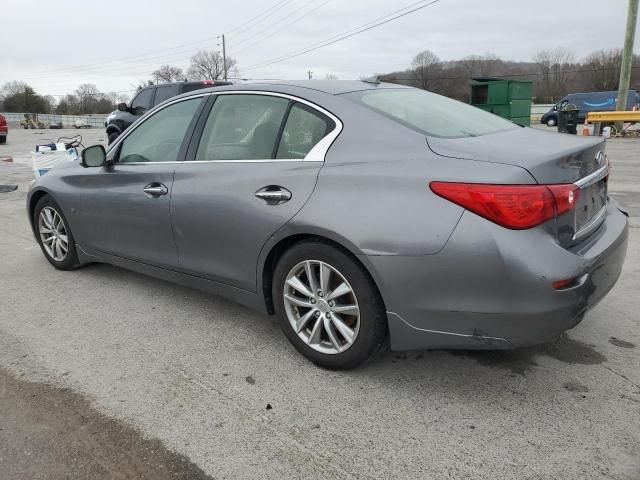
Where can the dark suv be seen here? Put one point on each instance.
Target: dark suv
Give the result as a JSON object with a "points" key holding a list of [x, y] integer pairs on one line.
{"points": [[146, 98]]}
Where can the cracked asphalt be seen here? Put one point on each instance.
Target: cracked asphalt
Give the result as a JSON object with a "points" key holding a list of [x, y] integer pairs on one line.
{"points": [[107, 372]]}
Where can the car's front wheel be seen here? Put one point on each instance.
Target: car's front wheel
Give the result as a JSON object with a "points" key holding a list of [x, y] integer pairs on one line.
{"points": [[551, 122], [112, 137], [328, 306], [54, 235]]}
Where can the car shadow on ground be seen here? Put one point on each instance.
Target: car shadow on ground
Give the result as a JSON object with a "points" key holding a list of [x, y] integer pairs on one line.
{"points": [[520, 361]]}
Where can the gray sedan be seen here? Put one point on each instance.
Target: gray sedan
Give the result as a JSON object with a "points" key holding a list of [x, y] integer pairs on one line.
{"points": [[361, 214]]}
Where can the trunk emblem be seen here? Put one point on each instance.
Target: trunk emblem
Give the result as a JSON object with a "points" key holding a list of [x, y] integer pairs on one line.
{"points": [[599, 158]]}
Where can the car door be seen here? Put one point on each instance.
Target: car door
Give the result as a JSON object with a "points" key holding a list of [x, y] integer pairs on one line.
{"points": [[123, 208], [255, 162]]}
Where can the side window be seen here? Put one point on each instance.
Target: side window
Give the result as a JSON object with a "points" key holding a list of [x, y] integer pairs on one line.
{"points": [[242, 127], [304, 128], [143, 99], [165, 92], [158, 138]]}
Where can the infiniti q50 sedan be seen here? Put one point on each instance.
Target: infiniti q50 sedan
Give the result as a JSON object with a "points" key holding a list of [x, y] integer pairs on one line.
{"points": [[362, 214]]}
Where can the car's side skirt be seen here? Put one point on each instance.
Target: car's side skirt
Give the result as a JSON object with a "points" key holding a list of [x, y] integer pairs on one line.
{"points": [[238, 295]]}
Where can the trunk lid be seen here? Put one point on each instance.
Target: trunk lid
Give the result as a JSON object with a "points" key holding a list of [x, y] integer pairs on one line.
{"points": [[550, 159]]}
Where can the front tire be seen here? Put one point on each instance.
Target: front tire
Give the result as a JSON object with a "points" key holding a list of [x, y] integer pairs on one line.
{"points": [[328, 306], [112, 137], [53, 234], [551, 122]]}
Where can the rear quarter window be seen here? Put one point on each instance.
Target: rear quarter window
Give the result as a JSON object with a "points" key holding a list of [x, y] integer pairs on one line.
{"points": [[431, 114]]}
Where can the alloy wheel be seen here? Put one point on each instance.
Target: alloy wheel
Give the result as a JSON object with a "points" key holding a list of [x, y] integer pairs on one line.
{"points": [[53, 234], [321, 306]]}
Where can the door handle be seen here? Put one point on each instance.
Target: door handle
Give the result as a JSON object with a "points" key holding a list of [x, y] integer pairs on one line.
{"points": [[156, 189], [274, 194]]}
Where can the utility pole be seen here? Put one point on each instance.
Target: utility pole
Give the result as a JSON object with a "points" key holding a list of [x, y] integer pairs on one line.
{"points": [[627, 58], [224, 58], [310, 73]]}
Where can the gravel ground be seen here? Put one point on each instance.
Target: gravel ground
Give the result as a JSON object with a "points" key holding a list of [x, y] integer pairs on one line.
{"points": [[220, 385]]}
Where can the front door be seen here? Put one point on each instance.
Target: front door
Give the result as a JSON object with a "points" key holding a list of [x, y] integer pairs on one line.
{"points": [[250, 175], [124, 208]]}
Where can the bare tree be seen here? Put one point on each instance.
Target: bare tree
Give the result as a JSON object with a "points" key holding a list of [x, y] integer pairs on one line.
{"points": [[425, 65], [10, 89], [87, 93], [555, 69], [481, 65], [330, 76], [602, 69], [168, 73], [209, 65]]}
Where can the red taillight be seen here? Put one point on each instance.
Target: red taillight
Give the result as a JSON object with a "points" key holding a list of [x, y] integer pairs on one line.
{"points": [[563, 284], [512, 206], [208, 82]]}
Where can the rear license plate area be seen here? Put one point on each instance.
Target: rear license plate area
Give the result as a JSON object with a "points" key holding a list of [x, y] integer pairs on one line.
{"points": [[592, 199]]}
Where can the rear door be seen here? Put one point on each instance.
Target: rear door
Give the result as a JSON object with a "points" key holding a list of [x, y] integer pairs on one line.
{"points": [[255, 163], [165, 92]]}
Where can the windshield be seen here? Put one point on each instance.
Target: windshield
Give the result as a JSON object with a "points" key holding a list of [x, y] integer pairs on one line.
{"points": [[431, 114]]}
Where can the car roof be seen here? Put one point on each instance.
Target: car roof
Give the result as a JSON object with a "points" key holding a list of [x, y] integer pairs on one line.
{"points": [[332, 87]]}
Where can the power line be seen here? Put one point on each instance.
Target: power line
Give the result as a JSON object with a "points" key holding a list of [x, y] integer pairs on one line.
{"points": [[244, 40], [145, 56], [260, 17], [123, 65], [246, 47], [349, 33]]}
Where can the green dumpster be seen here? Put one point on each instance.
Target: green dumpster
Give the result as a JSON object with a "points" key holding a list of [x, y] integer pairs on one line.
{"points": [[510, 99]]}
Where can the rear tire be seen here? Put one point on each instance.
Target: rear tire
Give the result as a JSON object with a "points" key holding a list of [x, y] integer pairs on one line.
{"points": [[341, 330], [3, 140], [54, 235]]}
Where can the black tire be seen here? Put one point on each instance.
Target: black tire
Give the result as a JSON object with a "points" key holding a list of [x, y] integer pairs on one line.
{"points": [[3, 139], [552, 122], [372, 334], [112, 137], [70, 261]]}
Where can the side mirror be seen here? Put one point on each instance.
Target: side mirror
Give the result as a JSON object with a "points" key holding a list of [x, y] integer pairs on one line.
{"points": [[123, 107], [94, 156]]}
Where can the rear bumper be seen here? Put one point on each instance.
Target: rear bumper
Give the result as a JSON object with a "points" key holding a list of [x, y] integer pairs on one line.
{"points": [[491, 287]]}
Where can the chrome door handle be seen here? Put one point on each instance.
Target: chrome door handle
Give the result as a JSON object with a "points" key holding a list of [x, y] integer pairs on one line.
{"points": [[156, 189], [274, 194]]}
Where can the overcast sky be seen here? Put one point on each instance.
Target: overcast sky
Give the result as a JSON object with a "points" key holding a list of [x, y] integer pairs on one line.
{"points": [[55, 45]]}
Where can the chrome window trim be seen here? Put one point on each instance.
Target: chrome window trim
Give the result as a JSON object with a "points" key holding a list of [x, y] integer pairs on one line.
{"points": [[316, 154], [267, 160], [593, 177], [319, 150], [132, 128]]}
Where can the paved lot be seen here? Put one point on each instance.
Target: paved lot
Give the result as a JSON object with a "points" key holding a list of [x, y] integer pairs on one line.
{"points": [[221, 386]]}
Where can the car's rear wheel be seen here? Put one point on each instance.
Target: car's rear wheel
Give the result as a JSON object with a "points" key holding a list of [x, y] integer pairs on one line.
{"points": [[54, 235], [328, 306], [3, 139]]}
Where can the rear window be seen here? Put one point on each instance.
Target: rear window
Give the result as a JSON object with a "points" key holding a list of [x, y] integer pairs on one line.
{"points": [[431, 114]]}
